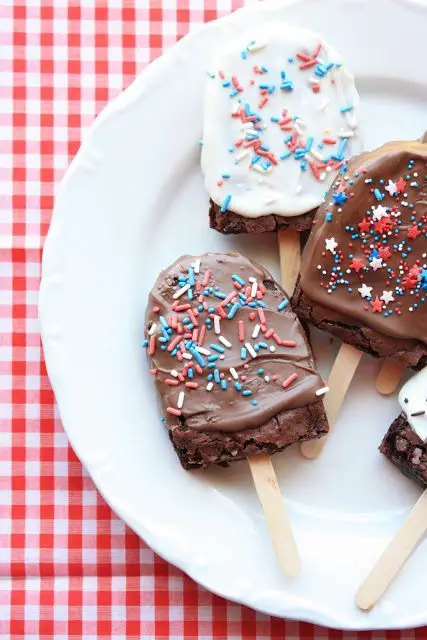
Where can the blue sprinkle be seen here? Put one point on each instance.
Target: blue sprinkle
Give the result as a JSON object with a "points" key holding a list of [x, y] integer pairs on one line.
{"points": [[244, 55], [212, 358], [379, 196], [210, 377], [198, 357], [163, 321], [328, 217], [260, 372], [216, 376], [216, 347], [247, 392], [243, 353], [262, 345], [233, 310], [285, 155], [145, 344], [283, 304], [225, 204], [224, 384], [254, 402], [274, 119], [309, 144], [190, 373], [238, 279], [238, 386], [347, 108]]}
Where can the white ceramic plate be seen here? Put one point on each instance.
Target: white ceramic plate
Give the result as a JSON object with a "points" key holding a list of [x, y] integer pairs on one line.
{"points": [[132, 201]]}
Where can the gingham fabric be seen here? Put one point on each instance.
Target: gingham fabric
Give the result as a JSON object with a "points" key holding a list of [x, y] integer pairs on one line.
{"points": [[69, 568]]}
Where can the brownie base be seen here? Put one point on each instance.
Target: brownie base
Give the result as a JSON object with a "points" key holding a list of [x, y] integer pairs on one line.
{"points": [[230, 222], [411, 352], [402, 446], [200, 449]]}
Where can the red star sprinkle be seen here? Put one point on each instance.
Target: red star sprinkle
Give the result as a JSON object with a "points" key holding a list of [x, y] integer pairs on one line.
{"points": [[400, 185], [385, 253], [364, 226], [382, 225], [357, 264], [414, 232], [376, 305]]}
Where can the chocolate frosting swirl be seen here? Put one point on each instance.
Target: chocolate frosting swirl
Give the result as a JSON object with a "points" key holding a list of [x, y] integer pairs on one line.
{"points": [[253, 391], [365, 261]]}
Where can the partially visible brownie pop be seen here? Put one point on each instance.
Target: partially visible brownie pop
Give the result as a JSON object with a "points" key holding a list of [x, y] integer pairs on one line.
{"points": [[280, 120], [405, 443], [231, 361], [405, 446]]}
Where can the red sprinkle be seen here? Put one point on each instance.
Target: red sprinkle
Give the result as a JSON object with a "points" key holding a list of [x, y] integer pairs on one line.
{"points": [[152, 346], [175, 342], [206, 278], [192, 385], [289, 380], [156, 309], [262, 315], [202, 335], [172, 382], [288, 343], [221, 312], [269, 333], [193, 318], [276, 338], [182, 307], [228, 299], [153, 372], [241, 331], [173, 411]]}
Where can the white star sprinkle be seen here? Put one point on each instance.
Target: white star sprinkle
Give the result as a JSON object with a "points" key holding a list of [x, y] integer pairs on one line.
{"points": [[365, 291], [379, 212], [391, 187], [376, 263], [387, 297], [331, 244]]}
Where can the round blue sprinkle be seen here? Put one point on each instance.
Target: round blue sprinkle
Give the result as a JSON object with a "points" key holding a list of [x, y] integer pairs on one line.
{"points": [[254, 402]]}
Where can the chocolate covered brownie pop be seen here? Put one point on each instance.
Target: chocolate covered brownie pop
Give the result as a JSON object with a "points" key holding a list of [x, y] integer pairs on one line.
{"points": [[231, 361], [364, 268], [280, 119]]}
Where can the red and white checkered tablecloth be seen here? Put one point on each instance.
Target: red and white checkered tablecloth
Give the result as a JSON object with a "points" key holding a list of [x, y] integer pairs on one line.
{"points": [[69, 568]]}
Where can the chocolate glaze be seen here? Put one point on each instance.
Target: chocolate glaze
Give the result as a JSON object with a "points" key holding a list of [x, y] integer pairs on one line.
{"points": [[389, 162], [228, 410]]}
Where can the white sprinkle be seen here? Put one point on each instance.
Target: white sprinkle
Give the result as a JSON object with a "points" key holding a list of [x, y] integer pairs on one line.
{"points": [[256, 46], [152, 329], [272, 348], [254, 289], [222, 357], [259, 168], [197, 266], [323, 175], [181, 291], [312, 80], [224, 341], [267, 378], [252, 279], [203, 351], [250, 348], [174, 373], [316, 155], [242, 155], [234, 373], [248, 125], [217, 324], [250, 132], [299, 188], [180, 400], [415, 175], [413, 184], [346, 134], [322, 391], [209, 386], [236, 107], [256, 331], [351, 120], [187, 356]]}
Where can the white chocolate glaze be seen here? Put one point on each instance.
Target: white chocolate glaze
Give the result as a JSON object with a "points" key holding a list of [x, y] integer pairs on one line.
{"points": [[297, 107], [413, 400]]}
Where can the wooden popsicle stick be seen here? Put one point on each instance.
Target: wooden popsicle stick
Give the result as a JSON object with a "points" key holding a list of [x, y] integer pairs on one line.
{"points": [[394, 556], [389, 376], [279, 527], [290, 258], [339, 380]]}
